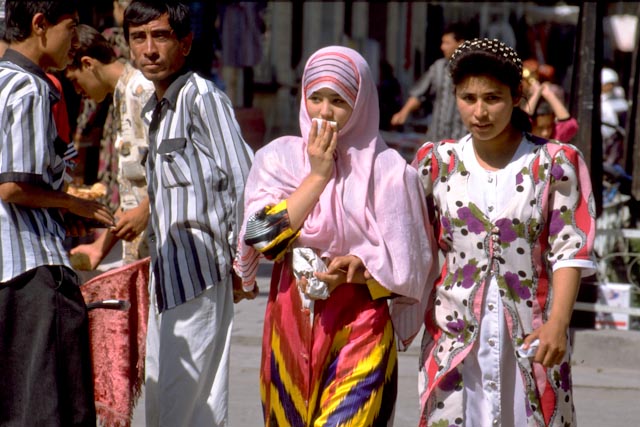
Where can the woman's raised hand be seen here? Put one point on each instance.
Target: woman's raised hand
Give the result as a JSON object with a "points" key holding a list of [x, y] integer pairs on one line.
{"points": [[321, 148]]}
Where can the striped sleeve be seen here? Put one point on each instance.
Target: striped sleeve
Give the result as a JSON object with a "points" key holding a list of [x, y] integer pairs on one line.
{"points": [[269, 231], [25, 120]]}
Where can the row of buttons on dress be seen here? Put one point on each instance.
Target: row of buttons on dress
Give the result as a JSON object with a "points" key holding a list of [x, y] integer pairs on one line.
{"points": [[496, 250], [490, 180]]}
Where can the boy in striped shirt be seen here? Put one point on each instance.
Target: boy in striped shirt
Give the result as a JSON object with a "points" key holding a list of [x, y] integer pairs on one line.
{"points": [[44, 349]]}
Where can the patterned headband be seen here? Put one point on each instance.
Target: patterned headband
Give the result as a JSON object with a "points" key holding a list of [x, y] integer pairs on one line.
{"points": [[335, 71], [493, 46]]}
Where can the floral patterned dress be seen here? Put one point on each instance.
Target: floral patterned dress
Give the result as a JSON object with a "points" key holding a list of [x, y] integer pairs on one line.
{"points": [[502, 233]]}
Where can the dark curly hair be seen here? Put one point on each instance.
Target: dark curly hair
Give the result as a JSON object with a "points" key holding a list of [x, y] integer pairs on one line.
{"points": [[140, 12]]}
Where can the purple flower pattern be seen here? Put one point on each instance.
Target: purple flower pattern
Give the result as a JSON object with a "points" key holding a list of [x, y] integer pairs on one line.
{"points": [[565, 377], [556, 222], [557, 172], [507, 233], [457, 328], [518, 288], [473, 223], [446, 225], [469, 275], [450, 380]]}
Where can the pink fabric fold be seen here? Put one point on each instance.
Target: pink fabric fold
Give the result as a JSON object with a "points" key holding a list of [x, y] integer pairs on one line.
{"points": [[374, 205], [118, 340]]}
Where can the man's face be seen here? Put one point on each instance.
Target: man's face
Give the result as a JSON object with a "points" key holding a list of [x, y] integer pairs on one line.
{"points": [[607, 87], [86, 82], [59, 39], [156, 51], [449, 45]]}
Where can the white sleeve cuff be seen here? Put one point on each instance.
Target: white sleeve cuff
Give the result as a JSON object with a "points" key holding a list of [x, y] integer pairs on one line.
{"points": [[587, 267]]}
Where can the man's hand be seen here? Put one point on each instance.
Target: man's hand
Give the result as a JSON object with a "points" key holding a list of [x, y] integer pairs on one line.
{"points": [[33, 196], [131, 223], [92, 210], [239, 293], [399, 118]]}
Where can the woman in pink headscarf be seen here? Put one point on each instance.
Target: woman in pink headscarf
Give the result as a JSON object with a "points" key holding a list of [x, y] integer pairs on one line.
{"points": [[344, 218]]}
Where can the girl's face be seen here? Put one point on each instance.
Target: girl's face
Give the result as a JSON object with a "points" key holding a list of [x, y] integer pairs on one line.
{"points": [[485, 106], [543, 125], [326, 104]]}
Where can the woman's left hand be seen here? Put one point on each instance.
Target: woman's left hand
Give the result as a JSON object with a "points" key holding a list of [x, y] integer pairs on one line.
{"points": [[238, 291], [553, 343], [344, 269]]}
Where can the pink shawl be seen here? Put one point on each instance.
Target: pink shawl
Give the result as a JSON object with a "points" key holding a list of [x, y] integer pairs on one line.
{"points": [[373, 207]]}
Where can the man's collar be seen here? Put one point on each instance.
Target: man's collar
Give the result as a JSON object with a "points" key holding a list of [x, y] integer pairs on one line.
{"points": [[172, 92], [32, 68]]}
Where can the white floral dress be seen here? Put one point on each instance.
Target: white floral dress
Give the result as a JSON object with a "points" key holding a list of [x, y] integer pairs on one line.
{"points": [[503, 233]]}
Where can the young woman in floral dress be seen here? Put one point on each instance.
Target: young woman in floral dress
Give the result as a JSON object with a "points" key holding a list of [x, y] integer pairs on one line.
{"points": [[514, 218]]}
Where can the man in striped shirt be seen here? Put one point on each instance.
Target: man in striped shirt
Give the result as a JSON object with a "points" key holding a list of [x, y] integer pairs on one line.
{"points": [[196, 171], [436, 88], [44, 348]]}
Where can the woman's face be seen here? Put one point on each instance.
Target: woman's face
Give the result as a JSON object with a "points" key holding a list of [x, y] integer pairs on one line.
{"points": [[485, 106], [326, 104]]}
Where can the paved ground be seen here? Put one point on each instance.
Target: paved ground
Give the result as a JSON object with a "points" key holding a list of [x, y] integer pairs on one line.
{"points": [[606, 374]]}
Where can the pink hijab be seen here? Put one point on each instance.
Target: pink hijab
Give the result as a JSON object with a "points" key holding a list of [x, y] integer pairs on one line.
{"points": [[374, 205]]}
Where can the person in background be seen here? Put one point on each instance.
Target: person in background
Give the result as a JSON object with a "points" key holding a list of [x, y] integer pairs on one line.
{"points": [[94, 123], [533, 75], [549, 116], [613, 113], [435, 87], [196, 171], [613, 94], [320, 205], [47, 375], [241, 30], [515, 221], [115, 35], [95, 72]]}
